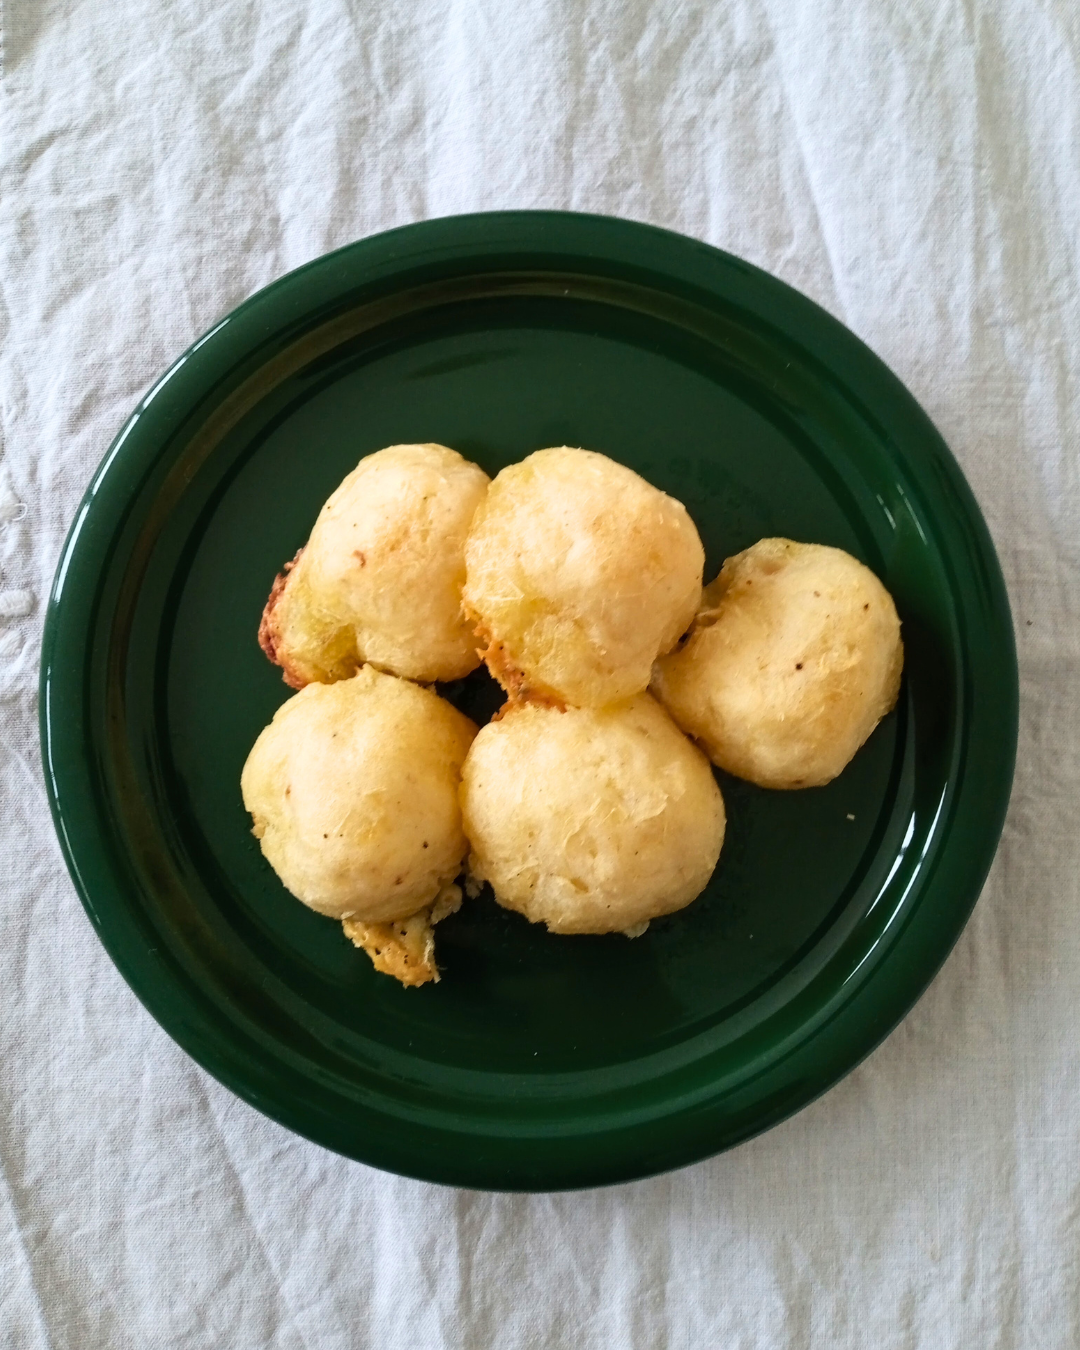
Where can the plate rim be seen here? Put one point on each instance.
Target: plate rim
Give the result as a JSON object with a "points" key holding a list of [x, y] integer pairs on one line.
{"points": [[64, 701]]}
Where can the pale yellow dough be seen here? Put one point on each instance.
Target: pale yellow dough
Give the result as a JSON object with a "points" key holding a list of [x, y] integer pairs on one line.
{"points": [[380, 578], [578, 575], [591, 820], [794, 658], [353, 789]]}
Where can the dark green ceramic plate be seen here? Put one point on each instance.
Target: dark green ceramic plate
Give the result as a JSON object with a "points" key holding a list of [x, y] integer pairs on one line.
{"points": [[538, 1062]]}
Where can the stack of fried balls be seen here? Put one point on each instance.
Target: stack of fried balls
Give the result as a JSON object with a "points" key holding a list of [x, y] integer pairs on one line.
{"points": [[588, 803]]}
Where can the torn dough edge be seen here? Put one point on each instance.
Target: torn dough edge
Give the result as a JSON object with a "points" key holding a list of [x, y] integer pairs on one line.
{"points": [[405, 948]]}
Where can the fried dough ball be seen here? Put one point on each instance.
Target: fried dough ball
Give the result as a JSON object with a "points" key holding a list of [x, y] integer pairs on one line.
{"points": [[591, 820], [793, 660], [380, 578], [353, 788], [578, 575]]}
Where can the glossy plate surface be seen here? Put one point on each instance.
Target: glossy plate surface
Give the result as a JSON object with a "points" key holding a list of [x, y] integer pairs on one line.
{"points": [[538, 1062]]}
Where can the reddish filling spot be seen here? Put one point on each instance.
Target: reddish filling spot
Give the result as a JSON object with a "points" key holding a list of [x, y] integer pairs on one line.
{"points": [[268, 630]]}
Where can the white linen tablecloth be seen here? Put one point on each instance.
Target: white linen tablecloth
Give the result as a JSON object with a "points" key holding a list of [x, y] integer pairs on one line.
{"points": [[913, 166]]}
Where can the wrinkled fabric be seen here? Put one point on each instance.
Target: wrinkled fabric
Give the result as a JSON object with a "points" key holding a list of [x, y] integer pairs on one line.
{"points": [[916, 169]]}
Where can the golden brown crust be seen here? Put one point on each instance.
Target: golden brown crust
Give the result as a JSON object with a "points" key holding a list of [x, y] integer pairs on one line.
{"points": [[495, 656], [405, 949], [268, 632]]}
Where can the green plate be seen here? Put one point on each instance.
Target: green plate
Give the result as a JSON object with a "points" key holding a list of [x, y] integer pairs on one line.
{"points": [[538, 1062]]}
